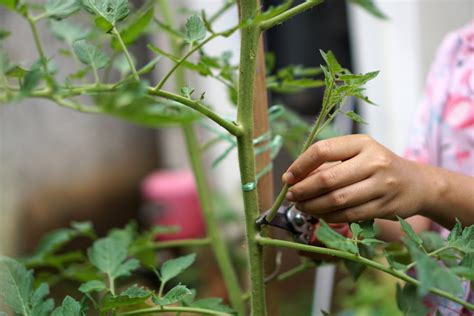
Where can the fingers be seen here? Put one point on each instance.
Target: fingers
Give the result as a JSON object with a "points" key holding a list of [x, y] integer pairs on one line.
{"points": [[362, 212], [328, 179], [341, 199], [333, 149]]}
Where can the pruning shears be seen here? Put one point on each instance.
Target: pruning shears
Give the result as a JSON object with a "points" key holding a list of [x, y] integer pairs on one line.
{"points": [[300, 225]]}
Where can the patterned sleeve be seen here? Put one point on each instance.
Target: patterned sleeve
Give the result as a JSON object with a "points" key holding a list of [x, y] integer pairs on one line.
{"points": [[424, 143]]}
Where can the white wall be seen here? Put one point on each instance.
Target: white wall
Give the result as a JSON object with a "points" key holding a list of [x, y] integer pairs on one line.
{"points": [[402, 48]]}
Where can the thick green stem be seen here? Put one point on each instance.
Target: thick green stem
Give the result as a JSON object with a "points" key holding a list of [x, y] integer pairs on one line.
{"points": [[248, 52], [174, 309], [217, 242], [218, 245], [282, 17], [264, 241]]}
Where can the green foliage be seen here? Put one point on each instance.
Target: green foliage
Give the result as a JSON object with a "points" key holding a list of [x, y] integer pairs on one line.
{"points": [[68, 32], [109, 12], [135, 26], [109, 256], [173, 267], [176, 294], [69, 307], [371, 7], [90, 55], [334, 240], [408, 301], [195, 29], [61, 9]]}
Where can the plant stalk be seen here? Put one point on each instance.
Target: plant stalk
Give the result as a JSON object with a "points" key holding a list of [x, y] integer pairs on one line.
{"points": [[217, 242], [264, 241], [247, 69], [288, 14], [174, 309], [126, 52]]}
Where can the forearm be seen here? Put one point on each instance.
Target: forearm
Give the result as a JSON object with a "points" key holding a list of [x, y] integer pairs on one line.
{"points": [[449, 196]]}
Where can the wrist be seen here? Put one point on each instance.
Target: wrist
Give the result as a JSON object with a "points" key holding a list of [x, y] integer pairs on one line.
{"points": [[434, 185]]}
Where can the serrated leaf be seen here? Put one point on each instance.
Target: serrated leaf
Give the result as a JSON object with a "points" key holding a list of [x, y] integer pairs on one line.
{"points": [[68, 32], [195, 29], [174, 267], [355, 268], [15, 285], [371, 7], [112, 11], [136, 26], [355, 117], [69, 307], [431, 274], [108, 255], [410, 233], [462, 239], [92, 286], [40, 306], [90, 55], [60, 9], [334, 240], [397, 256], [176, 294], [131, 296], [409, 303], [331, 62]]}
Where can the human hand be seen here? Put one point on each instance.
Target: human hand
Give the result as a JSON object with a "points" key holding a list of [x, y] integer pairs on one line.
{"points": [[369, 181]]}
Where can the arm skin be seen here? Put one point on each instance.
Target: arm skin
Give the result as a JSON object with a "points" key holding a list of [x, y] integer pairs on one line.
{"points": [[372, 182]]}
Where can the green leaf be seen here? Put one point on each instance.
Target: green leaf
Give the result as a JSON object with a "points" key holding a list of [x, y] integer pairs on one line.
{"points": [[187, 92], [92, 286], [331, 62], [136, 26], [111, 11], [334, 240], [432, 274], [355, 268], [109, 254], [195, 29], [69, 307], [462, 239], [84, 229], [60, 9], [432, 240], [358, 79], [134, 295], [30, 81], [355, 117], [136, 292], [15, 285], [371, 7], [213, 303], [52, 242], [4, 34], [68, 32], [131, 104], [9, 4], [174, 267], [90, 55], [176, 294], [410, 233], [16, 72], [409, 303]]}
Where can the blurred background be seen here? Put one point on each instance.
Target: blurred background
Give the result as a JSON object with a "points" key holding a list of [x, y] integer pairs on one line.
{"points": [[57, 165]]}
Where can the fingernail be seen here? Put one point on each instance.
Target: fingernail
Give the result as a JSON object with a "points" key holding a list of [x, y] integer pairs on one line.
{"points": [[288, 177], [290, 196]]}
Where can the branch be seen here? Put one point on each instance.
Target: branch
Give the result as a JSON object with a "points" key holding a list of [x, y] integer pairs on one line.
{"points": [[288, 14], [264, 241], [191, 51], [231, 127], [177, 309]]}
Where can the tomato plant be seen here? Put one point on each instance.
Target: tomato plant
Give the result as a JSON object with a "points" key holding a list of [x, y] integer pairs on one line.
{"points": [[102, 271]]}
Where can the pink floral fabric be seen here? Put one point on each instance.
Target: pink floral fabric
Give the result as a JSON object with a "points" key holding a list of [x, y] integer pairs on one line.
{"points": [[444, 131]]}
